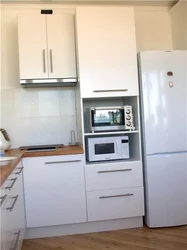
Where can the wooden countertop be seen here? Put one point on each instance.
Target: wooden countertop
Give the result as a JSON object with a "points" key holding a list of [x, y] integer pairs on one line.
{"points": [[6, 170]]}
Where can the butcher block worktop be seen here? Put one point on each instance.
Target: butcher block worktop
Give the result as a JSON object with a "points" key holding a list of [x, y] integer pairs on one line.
{"points": [[6, 170]]}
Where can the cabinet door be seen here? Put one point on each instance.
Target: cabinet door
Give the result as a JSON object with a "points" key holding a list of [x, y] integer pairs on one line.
{"points": [[61, 46], [15, 211], [107, 51], [54, 190], [3, 235], [32, 46]]}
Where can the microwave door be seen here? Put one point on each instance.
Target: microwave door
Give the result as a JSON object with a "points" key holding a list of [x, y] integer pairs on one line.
{"points": [[103, 151]]}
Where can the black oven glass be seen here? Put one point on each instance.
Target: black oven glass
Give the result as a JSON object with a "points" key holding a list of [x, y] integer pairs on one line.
{"points": [[107, 117], [104, 148]]}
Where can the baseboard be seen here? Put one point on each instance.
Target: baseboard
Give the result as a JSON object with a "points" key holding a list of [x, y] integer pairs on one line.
{"points": [[81, 228]]}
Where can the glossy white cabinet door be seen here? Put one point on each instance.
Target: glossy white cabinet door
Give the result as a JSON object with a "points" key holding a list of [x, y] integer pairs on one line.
{"points": [[54, 190], [15, 210], [114, 204], [32, 46], [107, 51], [3, 236], [61, 46]]}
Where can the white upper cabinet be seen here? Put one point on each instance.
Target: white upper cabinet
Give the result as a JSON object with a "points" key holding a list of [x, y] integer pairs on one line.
{"points": [[107, 51], [32, 46], [46, 46]]}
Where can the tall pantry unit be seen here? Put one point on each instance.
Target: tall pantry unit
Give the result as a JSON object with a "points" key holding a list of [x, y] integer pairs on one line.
{"points": [[108, 75]]}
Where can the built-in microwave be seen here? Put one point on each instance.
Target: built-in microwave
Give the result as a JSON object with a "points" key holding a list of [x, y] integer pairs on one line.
{"points": [[110, 118], [107, 148]]}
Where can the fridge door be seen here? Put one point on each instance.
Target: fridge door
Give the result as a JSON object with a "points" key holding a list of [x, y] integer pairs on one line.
{"points": [[164, 100], [166, 190]]}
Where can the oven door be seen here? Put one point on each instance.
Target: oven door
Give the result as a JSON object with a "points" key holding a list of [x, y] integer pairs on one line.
{"points": [[107, 119], [103, 149]]}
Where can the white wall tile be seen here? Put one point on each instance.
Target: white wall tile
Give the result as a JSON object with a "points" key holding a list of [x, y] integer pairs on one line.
{"points": [[36, 131], [48, 103], [26, 103], [68, 123], [67, 101]]}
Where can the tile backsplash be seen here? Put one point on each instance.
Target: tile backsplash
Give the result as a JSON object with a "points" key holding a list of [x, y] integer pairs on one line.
{"points": [[38, 116]]}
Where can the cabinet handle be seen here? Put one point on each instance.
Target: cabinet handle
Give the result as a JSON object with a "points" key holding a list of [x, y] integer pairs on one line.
{"points": [[14, 203], [2, 198], [16, 241], [21, 169], [109, 90], [55, 162], [115, 196], [13, 182], [44, 65], [113, 171], [51, 59]]}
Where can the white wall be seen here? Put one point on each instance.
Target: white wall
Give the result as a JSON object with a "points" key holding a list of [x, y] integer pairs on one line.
{"points": [[179, 25], [153, 29], [45, 116]]}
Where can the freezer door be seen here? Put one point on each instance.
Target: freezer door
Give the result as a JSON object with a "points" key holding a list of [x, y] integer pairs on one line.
{"points": [[166, 190], [163, 84]]}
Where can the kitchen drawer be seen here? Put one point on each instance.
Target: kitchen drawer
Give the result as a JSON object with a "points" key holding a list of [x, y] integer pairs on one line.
{"points": [[114, 175], [114, 204]]}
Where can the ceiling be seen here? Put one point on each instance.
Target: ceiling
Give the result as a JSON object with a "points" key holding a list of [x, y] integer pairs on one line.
{"points": [[168, 3]]}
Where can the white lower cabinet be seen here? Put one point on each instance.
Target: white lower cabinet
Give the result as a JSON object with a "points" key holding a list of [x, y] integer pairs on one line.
{"points": [[114, 190], [54, 190], [13, 211], [114, 204], [114, 175]]}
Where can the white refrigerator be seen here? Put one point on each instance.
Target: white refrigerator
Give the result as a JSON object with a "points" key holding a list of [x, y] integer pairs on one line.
{"points": [[163, 99]]}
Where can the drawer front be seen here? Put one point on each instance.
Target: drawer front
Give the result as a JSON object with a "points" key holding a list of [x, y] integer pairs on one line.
{"points": [[117, 175], [114, 204]]}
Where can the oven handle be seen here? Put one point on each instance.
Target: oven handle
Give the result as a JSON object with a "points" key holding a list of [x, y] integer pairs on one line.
{"points": [[116, 170]]}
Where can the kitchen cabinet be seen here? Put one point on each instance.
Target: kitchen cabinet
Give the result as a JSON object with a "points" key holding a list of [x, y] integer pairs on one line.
{"points": [[115, 204], [114, 190], [46, 46], [54, 190], [13, 210], [107, 51]]}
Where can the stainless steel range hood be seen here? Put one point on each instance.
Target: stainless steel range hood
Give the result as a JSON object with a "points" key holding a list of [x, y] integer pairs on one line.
{"points": [[49, 82]]}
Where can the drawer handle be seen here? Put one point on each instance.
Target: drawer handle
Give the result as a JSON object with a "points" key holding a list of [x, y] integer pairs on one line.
{"points": [[14, 203], [56, 162], [21, 169], [113, 171], [115, 196], [2, 198], [16, 241], [109, 90], [13, 182]]}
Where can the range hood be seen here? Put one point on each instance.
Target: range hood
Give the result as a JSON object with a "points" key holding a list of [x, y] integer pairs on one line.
{"points": [[48, 82]]}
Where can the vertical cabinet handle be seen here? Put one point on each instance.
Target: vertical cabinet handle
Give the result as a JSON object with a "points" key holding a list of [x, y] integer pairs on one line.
{"points": [[12, 184], [44, 65], [51, 59], [15, 198], [2, 198], [16, 241], [21, 169]]}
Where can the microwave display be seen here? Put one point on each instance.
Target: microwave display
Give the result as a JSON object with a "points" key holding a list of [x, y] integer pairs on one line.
{"points": [[104, 148], [107, 117]]}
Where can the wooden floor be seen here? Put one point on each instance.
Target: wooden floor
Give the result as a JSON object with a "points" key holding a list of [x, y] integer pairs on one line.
{"points": [[129, 239]]}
